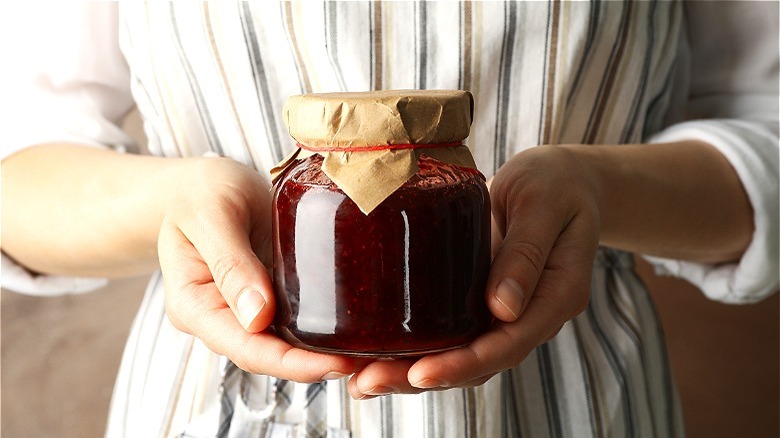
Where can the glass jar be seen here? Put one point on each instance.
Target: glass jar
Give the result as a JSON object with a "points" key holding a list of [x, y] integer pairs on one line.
{"points": [[406, 279]]}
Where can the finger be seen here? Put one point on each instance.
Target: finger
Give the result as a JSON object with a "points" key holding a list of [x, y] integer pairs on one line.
{"points": [[495, 238], [561, 293], [506, 345], [355, 393], [383, 377], [520, 260], [479, 381], [182, 268], [567, 277], [222, 238], [265, 353], [198, 307], [258, 353]]}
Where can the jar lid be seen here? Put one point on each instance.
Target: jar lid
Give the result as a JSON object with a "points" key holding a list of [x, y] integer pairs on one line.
{"points": [[379, 117], [371, 141]]}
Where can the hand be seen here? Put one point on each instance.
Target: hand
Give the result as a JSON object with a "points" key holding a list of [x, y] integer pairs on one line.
{"points": [[546, 233], [216, 286]]}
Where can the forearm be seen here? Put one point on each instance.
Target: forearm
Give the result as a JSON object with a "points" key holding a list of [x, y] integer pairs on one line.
{"points": [[678, 200], [76, 210]]}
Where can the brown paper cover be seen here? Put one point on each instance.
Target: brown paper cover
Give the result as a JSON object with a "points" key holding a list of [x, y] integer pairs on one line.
{"points": [[348, 122]]}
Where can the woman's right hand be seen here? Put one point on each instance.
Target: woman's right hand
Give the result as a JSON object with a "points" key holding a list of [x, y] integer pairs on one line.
{"points": [[214, 248]]}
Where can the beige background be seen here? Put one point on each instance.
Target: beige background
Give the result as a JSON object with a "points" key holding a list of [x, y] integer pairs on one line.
{"points": [[59, 359], [60, 356]]}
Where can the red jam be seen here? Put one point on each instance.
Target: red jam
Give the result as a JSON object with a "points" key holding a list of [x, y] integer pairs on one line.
{"points": [[406, 279]]}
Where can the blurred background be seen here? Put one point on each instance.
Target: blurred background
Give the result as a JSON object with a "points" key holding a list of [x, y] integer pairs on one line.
{"points": [[60, 355]]}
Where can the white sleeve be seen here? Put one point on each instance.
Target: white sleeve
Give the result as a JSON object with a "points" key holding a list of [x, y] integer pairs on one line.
{"points": [[64, 80], [733, 105]]}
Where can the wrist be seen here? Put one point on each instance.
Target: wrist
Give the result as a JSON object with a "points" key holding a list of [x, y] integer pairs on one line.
{"points": [[562, 179], [586, 165], [677, 200], [583, 170], [608, 177]]}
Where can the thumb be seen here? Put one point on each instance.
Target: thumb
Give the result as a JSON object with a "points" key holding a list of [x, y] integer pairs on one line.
{"points": [[236, 270], [519, 259], [244, 283], [516, 268]]}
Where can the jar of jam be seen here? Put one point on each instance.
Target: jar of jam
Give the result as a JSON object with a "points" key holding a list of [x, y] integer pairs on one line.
{"points": [[381, 225]]}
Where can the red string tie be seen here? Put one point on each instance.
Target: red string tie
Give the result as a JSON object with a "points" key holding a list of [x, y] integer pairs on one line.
{"points": [[383, 147]]}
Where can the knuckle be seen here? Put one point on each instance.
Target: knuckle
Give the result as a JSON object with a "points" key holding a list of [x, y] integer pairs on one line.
{"points": [[500, 354], [529, 252], [176, 321], [579, 305], [242, 364], [518, 351], [171, 304], [577, 301], [226, 273]]}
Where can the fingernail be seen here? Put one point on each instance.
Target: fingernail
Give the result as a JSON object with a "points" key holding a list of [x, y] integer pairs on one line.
{"points": [[510, 295], [381, 390], [429, 383], [333, 375], [249, 304]]}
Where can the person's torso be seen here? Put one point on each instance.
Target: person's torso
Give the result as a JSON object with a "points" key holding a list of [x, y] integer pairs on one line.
{"points": [[213, 76]]}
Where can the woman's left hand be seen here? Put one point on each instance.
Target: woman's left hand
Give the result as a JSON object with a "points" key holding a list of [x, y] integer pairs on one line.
{"points": [[545, 237]]}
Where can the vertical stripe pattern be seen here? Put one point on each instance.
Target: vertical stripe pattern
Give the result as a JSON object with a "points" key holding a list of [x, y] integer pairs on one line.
{"points": [[292, 40], [213, 78], [331, 27], [376, 45], [549, 77], [503, 91], [261, 86], [608, 80], [465, 46], [421, 44]]}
